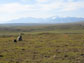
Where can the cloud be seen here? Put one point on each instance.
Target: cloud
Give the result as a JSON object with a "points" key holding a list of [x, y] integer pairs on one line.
{"points": [[39, 9], [72, 6], [12, 11], [27, 1], [42, 1], [60, 6]]}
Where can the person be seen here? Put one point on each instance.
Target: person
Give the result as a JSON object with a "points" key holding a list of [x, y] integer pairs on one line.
{"points": [[19, 38]]}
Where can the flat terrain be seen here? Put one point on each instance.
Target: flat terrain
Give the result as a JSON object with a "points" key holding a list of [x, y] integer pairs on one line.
{"points": [[44, 44]]}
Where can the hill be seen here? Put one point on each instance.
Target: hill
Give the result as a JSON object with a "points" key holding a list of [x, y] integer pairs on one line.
{"points": [[58, 28]]}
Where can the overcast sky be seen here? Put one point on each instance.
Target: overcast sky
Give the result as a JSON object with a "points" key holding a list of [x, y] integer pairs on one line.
{"points": [[15, 9]]}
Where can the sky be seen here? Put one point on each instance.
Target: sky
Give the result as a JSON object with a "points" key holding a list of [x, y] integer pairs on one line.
{"points": [[16, 9]]}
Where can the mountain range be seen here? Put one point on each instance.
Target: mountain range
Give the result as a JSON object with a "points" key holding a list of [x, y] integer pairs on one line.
{"points": [[47, 20]]}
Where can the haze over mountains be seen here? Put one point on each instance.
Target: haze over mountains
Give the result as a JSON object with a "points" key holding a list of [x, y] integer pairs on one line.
{"points": [[47, 20]]}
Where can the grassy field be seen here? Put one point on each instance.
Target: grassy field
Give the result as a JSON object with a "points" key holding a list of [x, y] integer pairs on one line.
{"points": [[44, 44]]}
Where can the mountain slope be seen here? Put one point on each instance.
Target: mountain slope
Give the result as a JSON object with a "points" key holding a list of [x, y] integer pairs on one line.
{"points": [[47, 20]]}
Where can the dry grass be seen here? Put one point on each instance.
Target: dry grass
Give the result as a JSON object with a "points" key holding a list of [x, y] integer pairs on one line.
{"points": [[43, 48]]}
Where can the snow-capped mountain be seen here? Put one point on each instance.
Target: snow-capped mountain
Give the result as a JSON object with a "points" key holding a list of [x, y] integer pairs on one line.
{"points": [[47, 20]]}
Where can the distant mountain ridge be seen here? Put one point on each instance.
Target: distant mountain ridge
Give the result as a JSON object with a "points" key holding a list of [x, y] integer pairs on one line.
{"points": [[47, 20]]}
